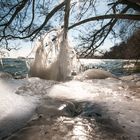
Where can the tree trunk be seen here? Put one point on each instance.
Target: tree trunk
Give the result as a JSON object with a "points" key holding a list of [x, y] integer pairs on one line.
{"points": [[66, 17]]}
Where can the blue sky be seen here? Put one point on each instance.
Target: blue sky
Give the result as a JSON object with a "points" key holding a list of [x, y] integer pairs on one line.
{"points": [[26, 47]]}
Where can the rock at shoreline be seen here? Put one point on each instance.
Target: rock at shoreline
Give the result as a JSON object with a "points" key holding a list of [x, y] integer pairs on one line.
{"points": [[5, 75], [133, 84], [132, 80], [133, 77], [95, 74]]}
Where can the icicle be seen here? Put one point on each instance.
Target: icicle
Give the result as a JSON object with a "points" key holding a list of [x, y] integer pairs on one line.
{"points": [[38, 68], [1, 62]]}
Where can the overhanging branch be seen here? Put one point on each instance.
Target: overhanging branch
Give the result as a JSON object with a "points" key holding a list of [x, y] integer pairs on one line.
{"points": [[35, 32], [134, 4], [115, 16]]}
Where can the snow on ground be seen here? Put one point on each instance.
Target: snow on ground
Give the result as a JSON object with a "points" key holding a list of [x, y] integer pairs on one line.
{"points": [[100, 109], [15, 110]]}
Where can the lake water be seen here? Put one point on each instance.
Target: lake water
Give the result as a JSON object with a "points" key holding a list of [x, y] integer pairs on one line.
{"points": [[18, 68]]}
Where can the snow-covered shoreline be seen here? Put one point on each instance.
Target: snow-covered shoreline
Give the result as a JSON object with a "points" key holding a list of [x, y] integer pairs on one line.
{"points": [[49, 104]]}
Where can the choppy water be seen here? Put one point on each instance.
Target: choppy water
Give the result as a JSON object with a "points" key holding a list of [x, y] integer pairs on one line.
{"points": [[118, 67], [18, 68]]}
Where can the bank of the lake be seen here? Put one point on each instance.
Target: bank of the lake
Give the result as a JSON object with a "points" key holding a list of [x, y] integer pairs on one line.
{"points": [[18, 67]]}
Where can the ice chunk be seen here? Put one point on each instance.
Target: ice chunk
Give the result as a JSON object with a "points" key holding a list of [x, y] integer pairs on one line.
{"points": [[15, 110], [94, 74]]}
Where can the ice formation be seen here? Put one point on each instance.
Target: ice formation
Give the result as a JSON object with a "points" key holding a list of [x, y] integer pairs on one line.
{"points": [[57, 61], [15, 110], [99, 109], [94, 74], [68, 110]]}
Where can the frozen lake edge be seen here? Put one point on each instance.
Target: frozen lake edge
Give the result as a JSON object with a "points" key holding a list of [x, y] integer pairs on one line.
{"points": [[105, 103]]}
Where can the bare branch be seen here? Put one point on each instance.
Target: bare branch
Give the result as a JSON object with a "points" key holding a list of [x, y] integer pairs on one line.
{"points": [[36, 31], [115, 16], [20, 6], [135, 4]]}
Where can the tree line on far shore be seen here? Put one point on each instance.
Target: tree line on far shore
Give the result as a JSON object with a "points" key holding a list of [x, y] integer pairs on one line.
{"points": [[129, 49]]}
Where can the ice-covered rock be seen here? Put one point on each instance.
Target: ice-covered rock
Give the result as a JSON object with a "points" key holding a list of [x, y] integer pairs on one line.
{"points": [[127, 66], [133, 77], [138, 83], [94, 74], [5, 75]]}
